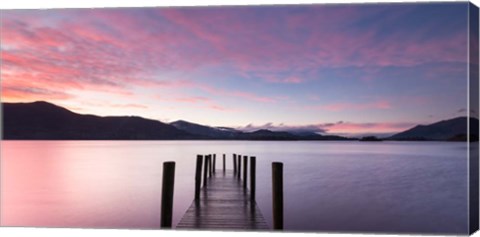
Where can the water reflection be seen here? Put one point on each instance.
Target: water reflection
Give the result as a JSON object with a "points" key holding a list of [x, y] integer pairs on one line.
{"points": [[329, 186]]}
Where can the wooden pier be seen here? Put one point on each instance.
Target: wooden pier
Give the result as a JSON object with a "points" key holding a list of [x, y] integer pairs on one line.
{"points": [[224, 201]]}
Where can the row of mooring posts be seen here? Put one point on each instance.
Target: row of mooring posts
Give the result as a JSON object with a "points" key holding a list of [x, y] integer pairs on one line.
{"points": [[209, 168], [209, 161], [237, 171]]}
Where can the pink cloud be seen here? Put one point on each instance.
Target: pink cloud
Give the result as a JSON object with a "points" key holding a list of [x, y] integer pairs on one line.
{"points": [[219, 108], [286, 80], [197, 27], [235, 93], [137, 106], [115, 50], [56, 65], [209, 89], [340, 127], [192, 99], [261, 50], [198, 101], [86, 58], [336, 107], [85, 106], [251, 96], [90, 58], [294, 80], [317, 128], [352, 128], [32, 94], [114, 42]]}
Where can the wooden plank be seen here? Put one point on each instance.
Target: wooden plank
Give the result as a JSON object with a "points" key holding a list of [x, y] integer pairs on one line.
{"points": [[223, 204]]}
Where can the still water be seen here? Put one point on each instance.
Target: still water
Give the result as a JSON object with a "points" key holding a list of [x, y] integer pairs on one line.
{"points": [[413, 187]]}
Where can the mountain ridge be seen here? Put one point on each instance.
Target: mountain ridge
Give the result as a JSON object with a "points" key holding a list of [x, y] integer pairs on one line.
{"points": [[444, 130], [45, 121], [42, 120], [205, 131]]}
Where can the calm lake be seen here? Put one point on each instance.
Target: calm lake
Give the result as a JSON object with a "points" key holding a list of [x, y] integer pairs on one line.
{"points": [[415, 187]]}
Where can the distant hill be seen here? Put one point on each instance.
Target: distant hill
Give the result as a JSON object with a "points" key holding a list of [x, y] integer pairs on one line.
{"points": [[370, 139], [264, 134], [446, 130], [224, 133], [206, 131], [45, 121]]}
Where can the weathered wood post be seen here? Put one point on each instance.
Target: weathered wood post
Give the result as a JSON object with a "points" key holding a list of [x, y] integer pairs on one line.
{"points": [[252, 177], [210, 164], [239, 166], [277, 195], [168, 183], [214, 162], [205, 172], [198, 176], [223, 163], [245, 171], [234, 163]]}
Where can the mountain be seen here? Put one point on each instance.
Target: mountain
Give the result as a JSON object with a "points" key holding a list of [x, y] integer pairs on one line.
{"points": [[224, 133], [206, 132], [264, 134], [313, 136], [370, 139], [446, 130], [45, 121]]}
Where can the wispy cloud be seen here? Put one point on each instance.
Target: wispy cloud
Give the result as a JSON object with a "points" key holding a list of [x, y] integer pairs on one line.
{"points": [[32, 94], [352, 127], [340, 127], [282, 127], [258, 55], [197, 101], [192, 99], [336, 107], [137, 106], [235, 93], [98, 50]]}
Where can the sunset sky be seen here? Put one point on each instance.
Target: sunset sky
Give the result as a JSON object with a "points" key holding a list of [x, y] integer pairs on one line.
{"points": [[340, 69]]}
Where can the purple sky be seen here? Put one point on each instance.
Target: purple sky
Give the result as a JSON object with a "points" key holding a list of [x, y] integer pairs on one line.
{"points": [[343, 69]]}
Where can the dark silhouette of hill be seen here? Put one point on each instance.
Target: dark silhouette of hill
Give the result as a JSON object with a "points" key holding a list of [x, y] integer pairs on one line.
{"points": [[45, 121], [264, 134], [206, 132], [446, 130], [370, 139]]}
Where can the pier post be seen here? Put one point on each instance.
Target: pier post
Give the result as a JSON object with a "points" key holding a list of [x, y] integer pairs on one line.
{"points": [[168, 183], [277, 195], [210, 164], [252, 177], [214, 162], [245, 171], [239, 166], [223, 163], [205, 172], [198, 176], [234, 163]]}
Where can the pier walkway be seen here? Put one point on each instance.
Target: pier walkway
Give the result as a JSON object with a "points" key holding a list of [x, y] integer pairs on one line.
{"points": [[223, 204]]}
